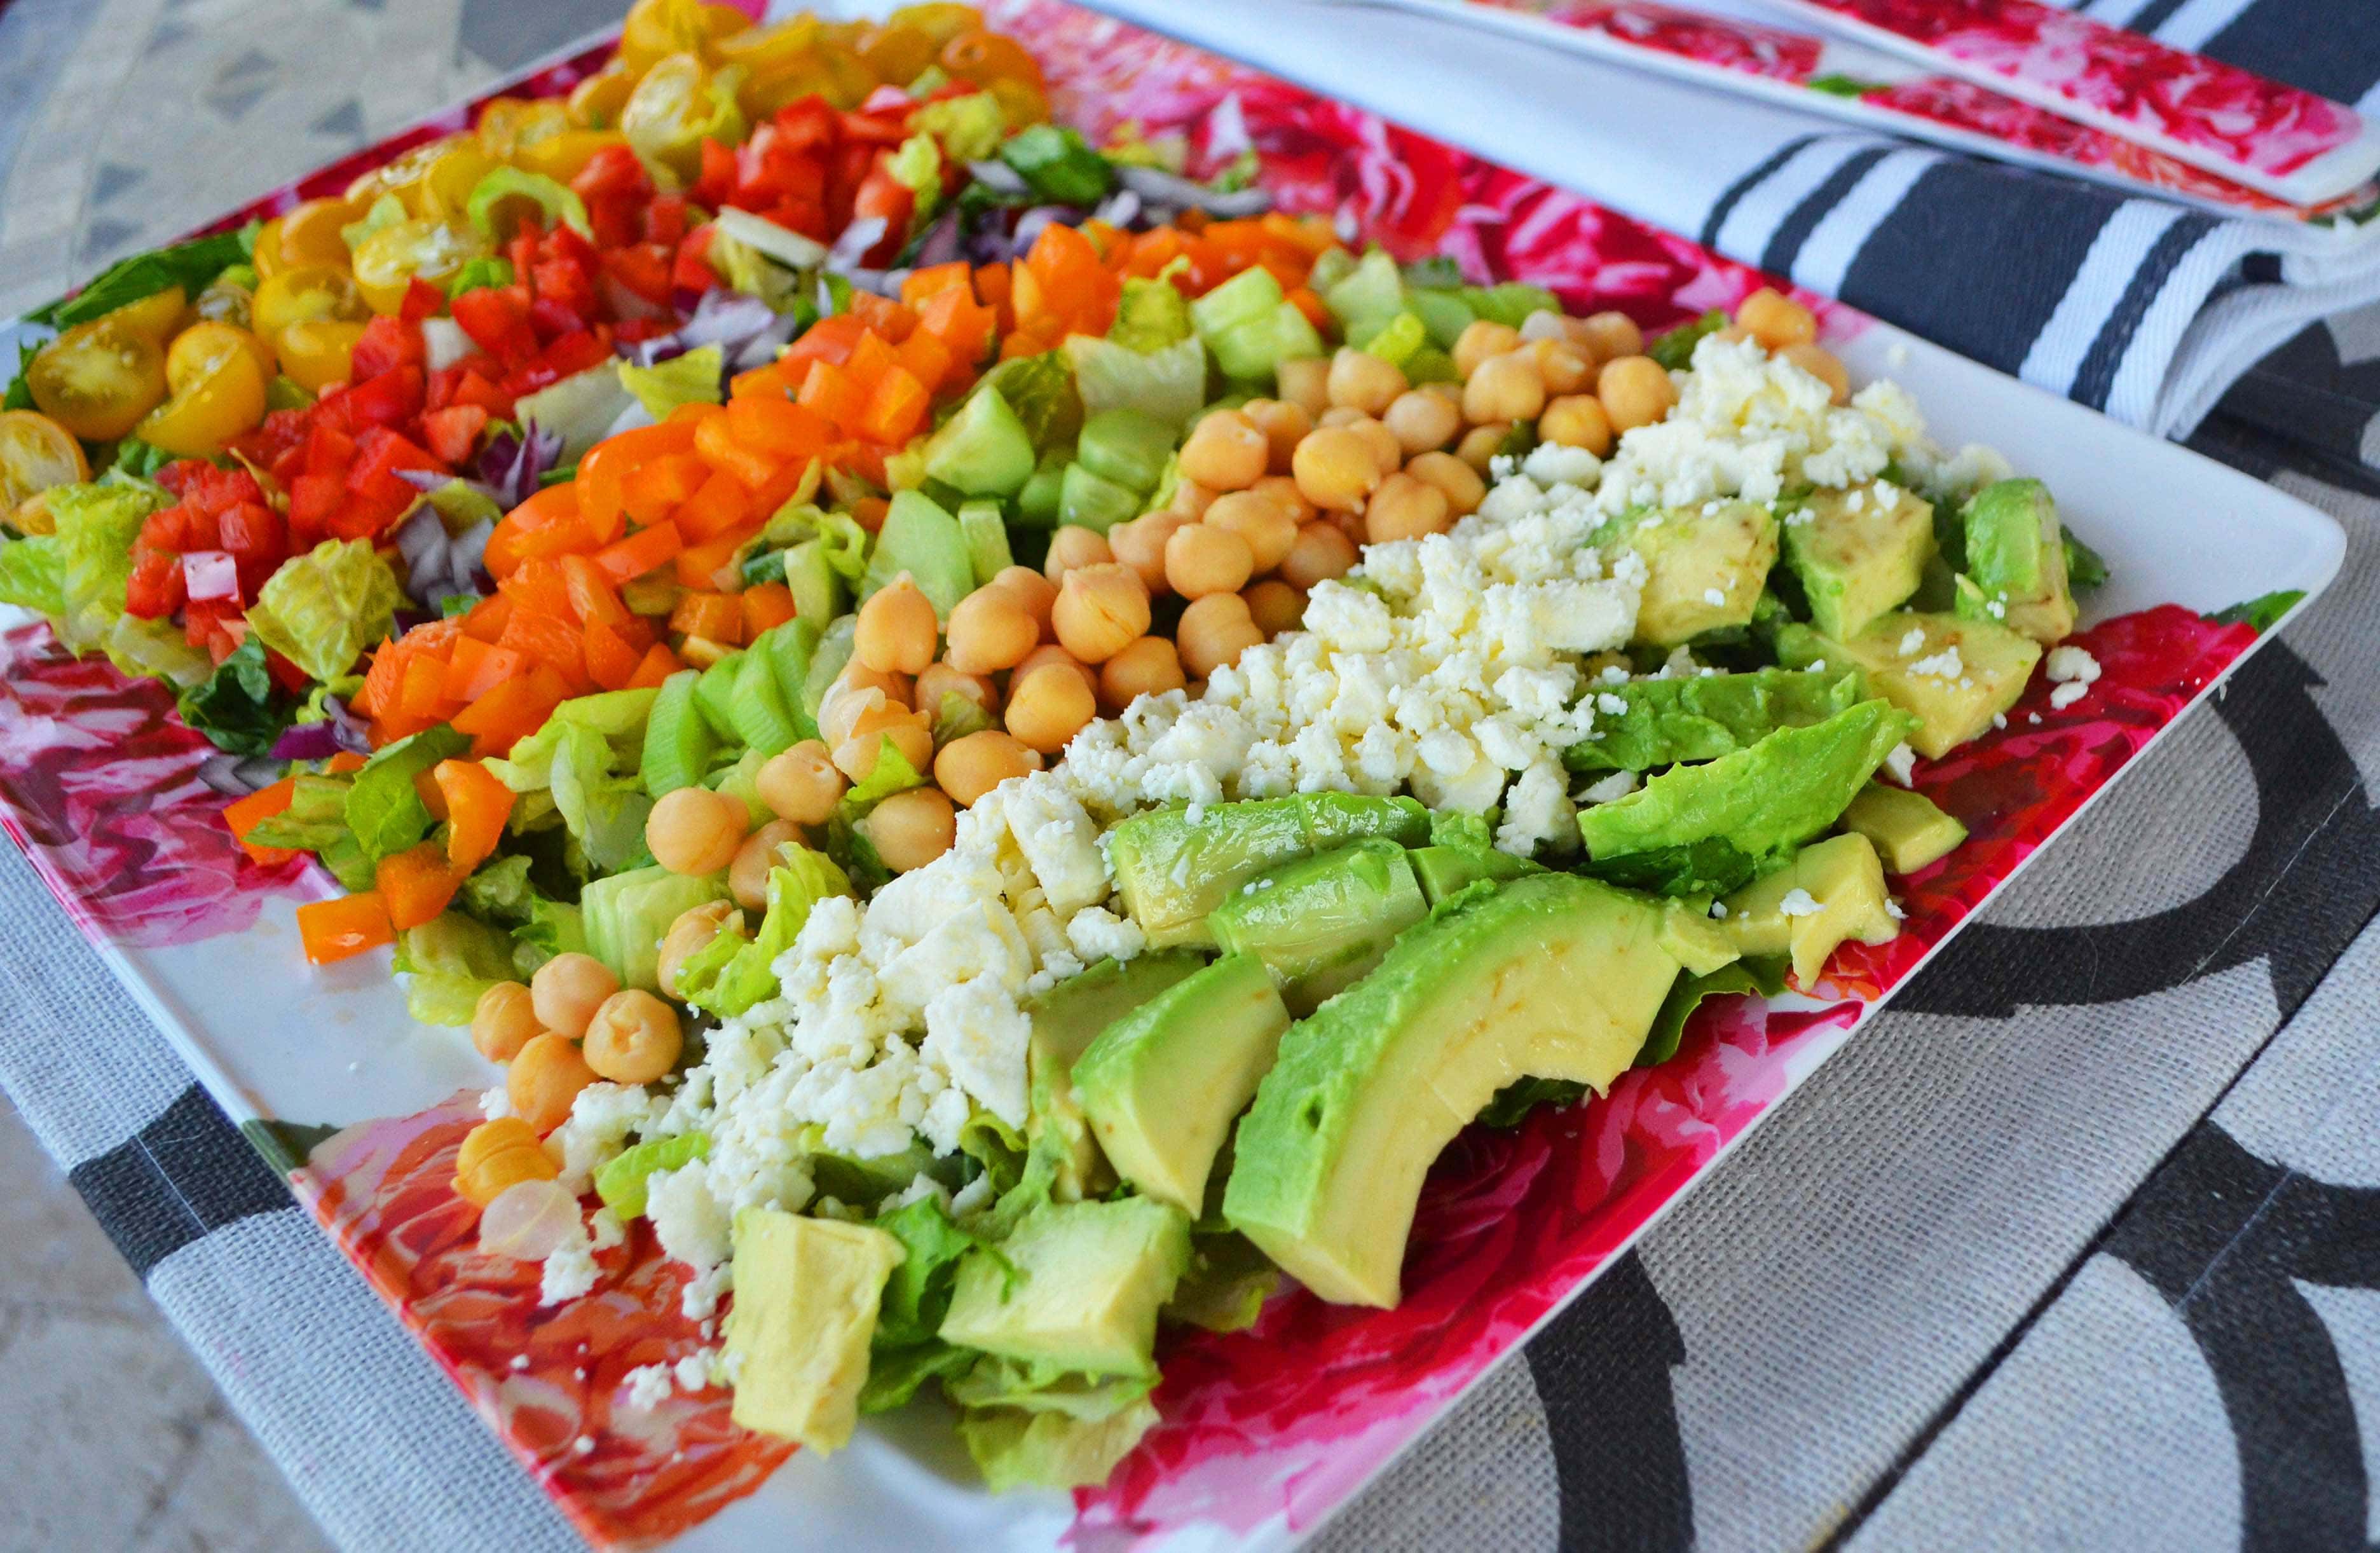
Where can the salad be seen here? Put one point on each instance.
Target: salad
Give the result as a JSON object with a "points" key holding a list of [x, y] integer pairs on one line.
{"points": [[1003, 743]]}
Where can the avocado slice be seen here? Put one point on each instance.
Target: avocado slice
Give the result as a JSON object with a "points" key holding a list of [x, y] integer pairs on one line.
{"points": [[1905, 828], [1066, 1020], [983, 450], [2016, 572], [1552, 977], [1906, 656], [1705, 570], [806, 1295], [1444, 869], [1078, 1287], [1162, 1085], [1319, 922], [1174, 871], [1844, 881], [1701, 717], [1019, 1450], [1859, 553], [1762, 801]]}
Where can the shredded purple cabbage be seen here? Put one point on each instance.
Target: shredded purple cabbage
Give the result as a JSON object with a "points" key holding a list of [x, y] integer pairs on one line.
{"points": [[237, 776], [512, 462], [857, 239], [437, 564], [1167, 194]]}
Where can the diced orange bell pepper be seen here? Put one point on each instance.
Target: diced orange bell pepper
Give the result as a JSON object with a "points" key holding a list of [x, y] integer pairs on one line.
{"points": [[719, 616], [927, 359], [509, 713], [472, 674], [382, 680], [659, 663], [766, 607], [536, 587], [592, 596], [884, 317], [548, 639], [611, 658], [423, 692], [830, 393], [796, 481], [896, 408], [485, 620], [333, 931], [829, 340], [724, 502], [433, 797], [244, 815], [700, 566], [869, 512], [415, 885], [777, 427], [716, 440], [654, 491], [346, 763], [603, 473], [545, 526], [870, 359], [626, 560], [931, 281], [478, 804]]}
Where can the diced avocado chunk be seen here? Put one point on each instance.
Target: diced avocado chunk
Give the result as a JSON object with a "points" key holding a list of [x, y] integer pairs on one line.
{"points": [[807, 1295], [1445, 870], [986, 540], [714, 694], [679, 743], [1762, 801], [983, 450], [1173, 871], [1162, 1085], [1953, 674], [625, 915], [1020, 1450], [1066, 1020], [1076, 1287], [1905, 828], [1126, 447], [1551, 976], [1704, 570], [1688, 933], [1859, 553], [2015, 573], [1702, 716], [1088, 500], [1832, 890], [1318, 923], [922, 540]]}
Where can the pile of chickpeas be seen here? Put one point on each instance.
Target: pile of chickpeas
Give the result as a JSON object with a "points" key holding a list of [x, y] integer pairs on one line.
{"points": [[569, 1026]]}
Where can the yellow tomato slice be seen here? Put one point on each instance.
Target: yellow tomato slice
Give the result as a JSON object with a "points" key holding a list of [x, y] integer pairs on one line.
{"points": [[656, 29], [445, 190], [98, 379], [563, 157], [390, 257], [317, 352], [309, 292], [196, 350], [266, 255], [206, 411], [36, 453], [312, 234], [157, 317]]}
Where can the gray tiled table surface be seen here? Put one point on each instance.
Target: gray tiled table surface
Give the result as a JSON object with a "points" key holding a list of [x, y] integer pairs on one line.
{"points": [[123, 123]]}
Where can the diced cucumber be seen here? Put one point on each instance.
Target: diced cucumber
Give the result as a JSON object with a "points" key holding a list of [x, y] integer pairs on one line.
{"points": [[1037, 505], [986, 540], [714, 693], [1444, 314], [922, 540], [983, 450], [678, 741], [1253, 351], [832, 652], [815, 585], [1126, 447], [1247, 297], [790, 648], [1090, 500], [759, 707]]}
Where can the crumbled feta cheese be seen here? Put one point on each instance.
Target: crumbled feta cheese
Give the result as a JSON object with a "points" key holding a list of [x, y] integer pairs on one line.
{"points": [[1902, 764], [1892, 909], [697, 1370], [496, 1103], [1618, 784], [1798, 903], [1911, 640], [605, 1228], [1718, 910], [1944, 664], [569, 1272], [1714, 598], [1097, 933], [1551, 464], [598, 1126], [649, 1387], [2070, 664], [2068, 694]]}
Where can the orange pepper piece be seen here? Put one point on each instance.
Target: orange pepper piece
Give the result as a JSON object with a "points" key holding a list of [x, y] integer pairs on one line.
{"points": [[244, 815], [478, 804], [333, 931]]}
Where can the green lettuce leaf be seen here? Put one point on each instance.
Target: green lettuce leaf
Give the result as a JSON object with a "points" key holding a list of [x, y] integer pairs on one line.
{"points": [[479, 270], [316, 819], [189, 265], [321, 609], [894, 1374], [238, 706], [621, 1180], [969, 128], [1041, 390], [917, 1294], [1762, 976], [76, 574], [554, 198], [691, 379], [1153, 314], [893, 773], [728, 974], [1675, 350], [1517, 1099], [1167, 382], [1058, 164], [33, 576], [618, 716], [450, 1001], [156, 648], [1016, 1449], [382, 807]]}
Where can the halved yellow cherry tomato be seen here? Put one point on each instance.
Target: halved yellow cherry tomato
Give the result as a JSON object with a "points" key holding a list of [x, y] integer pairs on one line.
{"points": [[312, 234], [158, 316], [36, 453], [317, 351], [391, 258], [896, 52], [509, 123], [98, 379], [656, 29], [401, 177], [224, 397], [445, 189], [310, 291], [676, 107], [595, 102], [563, 157], [196, 350], [226, 302], [942, 21], [265, 257]]}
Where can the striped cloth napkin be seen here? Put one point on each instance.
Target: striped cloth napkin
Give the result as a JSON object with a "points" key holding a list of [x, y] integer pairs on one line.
{"points": [[2151, 311]]}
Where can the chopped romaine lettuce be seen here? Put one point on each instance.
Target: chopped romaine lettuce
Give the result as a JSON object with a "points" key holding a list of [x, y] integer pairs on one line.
{"points": [[728, 974], [1168, 382], [556, 200], [76, 574], [1058, 164], [627, 914], [189, 265], [620, 1181], [321, 609], [1153, 314], [238, 706], [384, 808], [691, 379]]}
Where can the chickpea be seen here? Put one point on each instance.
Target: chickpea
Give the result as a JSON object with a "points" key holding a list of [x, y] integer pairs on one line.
{"points": [[1823, 365], [1775, 320], [859, 676], [498, 1154], [1283, 423], [1478, 445], [1636, 391], [1406, 508], [1562, 368], [1506, 387], [1421, 420], [1072, 546], [1049, 706], [1386, 451], [1259, 520], [1214, 631], [1320, 553], [633, 1038], [1335, 468], [688, 935], [910, 830], [1147, 667], [1456, 479], [747, 876], [1275, 606], [1576, 420], [942, 679], [1611, 335], [1101, 608], [1283, 490], [1140, 544], [801, 783], [1306, 383], [991, 630], [545, 1079], [896, 630], [1480, 340], [1041, 657], [565, 989], [694, 830], [1203, 559], [1546, 323], [909, 732], [1226, 451], [1341, 415], [1191, 499], [503, 1021], [1365, 381], [1030, 589], [968, 769]]}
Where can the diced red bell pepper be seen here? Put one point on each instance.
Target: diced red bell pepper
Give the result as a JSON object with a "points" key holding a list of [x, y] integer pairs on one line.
{"points": [[614, 169], [156, 588], [552, 317], [666, 219], [576, 351], [691, 270], [314, 504], [391, 399], [252, 531], [387, 344], [642, 270], [422, 300], [379, 453], [496, 319], [454, 431]]}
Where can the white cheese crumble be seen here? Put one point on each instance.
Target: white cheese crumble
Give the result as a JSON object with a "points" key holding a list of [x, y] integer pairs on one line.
{"points": [[2073, 671], [1911, 640], [1902, 764], [1945, 664], [1799, 902], [569, 1272], [649, 1386]]}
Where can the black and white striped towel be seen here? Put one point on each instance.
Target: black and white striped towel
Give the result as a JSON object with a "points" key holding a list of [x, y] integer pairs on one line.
{"points": [[2148, 309]]}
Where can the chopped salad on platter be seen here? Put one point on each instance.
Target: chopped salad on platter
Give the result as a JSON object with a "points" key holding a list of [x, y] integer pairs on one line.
{"points": [[1000, 740]]}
